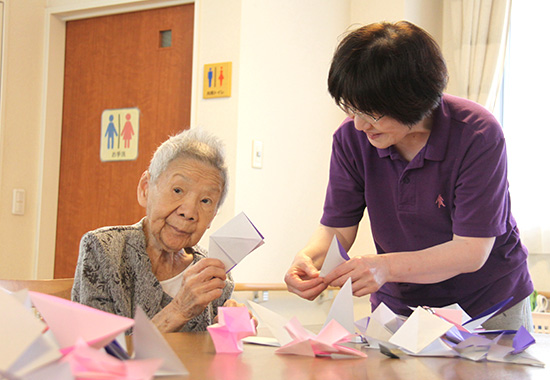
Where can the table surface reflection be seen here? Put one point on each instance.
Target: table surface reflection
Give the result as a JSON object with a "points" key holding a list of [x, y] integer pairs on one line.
{"points": [[197, 353]]}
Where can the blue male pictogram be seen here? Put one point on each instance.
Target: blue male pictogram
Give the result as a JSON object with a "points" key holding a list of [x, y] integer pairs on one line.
{"points": [[210, 76], [111, 133]]}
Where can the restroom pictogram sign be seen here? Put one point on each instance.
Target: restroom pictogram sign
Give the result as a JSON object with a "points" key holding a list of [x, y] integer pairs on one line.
{"points": [[217, 80], [119, 134]]}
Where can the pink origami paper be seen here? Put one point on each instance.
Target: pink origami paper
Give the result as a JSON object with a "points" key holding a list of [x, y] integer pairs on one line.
{"points": [[90, 363], [234, 325], [326, 343], [70, 321]]}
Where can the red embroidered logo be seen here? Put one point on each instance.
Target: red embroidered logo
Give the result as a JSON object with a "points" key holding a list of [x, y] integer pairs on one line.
{"points": [[439, 201]]}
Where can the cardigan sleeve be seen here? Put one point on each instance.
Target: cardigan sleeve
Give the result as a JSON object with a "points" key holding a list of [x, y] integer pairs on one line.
{"points": [[91, 285]]}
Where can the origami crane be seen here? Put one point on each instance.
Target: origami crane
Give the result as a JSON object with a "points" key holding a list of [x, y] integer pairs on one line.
{"points": [[341, 311], [234, 241], [234, 325], [327, 343]]}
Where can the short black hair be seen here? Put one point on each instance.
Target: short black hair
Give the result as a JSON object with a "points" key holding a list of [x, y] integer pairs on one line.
{"points": [[393, 69]]}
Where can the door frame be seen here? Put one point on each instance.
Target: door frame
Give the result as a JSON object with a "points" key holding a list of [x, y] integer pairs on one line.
{"points": [[52, 110]]}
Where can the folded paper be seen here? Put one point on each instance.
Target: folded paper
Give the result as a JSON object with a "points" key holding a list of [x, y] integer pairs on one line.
{"points": [[234, 241], [477, 321], [342, 308], [89, 363], [19, 330], [149, 344], [95, 327], [274, 323], [32, 350], [234, 324], [327, 343], [437, 332], [336, 255]]}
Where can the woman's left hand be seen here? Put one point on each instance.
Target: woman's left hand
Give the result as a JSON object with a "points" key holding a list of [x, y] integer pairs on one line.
{"points": [[368, 274], [233, 303]]}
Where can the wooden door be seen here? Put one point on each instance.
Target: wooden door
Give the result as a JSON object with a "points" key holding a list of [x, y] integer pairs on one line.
{"points": [[114, 62]]}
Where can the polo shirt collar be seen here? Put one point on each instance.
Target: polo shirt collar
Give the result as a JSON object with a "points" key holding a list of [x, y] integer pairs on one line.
{"points": [[436, 147]]}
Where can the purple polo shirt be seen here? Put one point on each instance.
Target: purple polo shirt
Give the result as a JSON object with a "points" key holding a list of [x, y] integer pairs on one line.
{"points": [[457, 184]]}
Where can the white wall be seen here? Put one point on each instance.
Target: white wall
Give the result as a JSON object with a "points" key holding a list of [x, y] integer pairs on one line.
{"points": [[286, 47]]}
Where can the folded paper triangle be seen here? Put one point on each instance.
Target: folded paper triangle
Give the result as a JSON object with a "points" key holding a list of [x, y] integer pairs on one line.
{"points": [[97, 328], [336, 255], [234, 241], [342, 308], [149, 344], [19, 327]]}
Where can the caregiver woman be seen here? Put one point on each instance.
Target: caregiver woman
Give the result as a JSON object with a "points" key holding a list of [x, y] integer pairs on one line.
{"points": [[431, 171]]}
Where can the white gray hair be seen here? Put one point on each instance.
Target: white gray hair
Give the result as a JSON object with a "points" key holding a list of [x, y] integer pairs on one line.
{"points": [[196, 144]]}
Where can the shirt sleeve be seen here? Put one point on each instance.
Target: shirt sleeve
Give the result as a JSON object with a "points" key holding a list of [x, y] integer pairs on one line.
{"points": [[481, 195], [345, 196]]}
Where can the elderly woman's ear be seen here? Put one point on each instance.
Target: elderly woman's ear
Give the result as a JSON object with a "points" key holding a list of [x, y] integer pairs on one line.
{"points": [[143, 189]]}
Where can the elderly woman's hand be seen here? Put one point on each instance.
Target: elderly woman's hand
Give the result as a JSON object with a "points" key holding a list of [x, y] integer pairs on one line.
{"points": [[202, 283], [368, 274]]}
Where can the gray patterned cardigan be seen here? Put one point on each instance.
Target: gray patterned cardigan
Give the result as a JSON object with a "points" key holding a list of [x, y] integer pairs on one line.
{"points": [[114, 274]]}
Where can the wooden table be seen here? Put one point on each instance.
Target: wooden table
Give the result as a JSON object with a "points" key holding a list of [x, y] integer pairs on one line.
{"points": [[197, 353]]}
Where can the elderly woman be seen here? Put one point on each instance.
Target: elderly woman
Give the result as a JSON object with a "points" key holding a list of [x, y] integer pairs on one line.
{"points": [[430, 168], [156, 263]]}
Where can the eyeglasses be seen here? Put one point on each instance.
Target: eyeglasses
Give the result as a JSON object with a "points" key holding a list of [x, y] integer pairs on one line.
{"points": [[363, 115]]}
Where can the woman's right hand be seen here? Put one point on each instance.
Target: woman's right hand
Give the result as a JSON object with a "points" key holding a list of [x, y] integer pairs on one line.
{"points": [[303, 278], [202, 283]]}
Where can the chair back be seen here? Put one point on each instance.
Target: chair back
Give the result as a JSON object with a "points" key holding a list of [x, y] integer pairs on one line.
{"points": [[59, 287]]}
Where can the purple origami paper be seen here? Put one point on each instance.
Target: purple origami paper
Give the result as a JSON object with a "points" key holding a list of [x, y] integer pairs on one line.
{"points": [[522, 340]]}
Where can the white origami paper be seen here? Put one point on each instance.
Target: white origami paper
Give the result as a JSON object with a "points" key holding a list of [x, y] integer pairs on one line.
{"points": [[336, 255], [342, 308], [23, 347], [149, 344], [234, 241], [275, 324], [419, 331]]}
